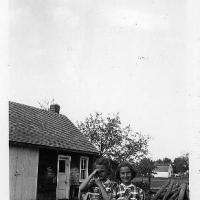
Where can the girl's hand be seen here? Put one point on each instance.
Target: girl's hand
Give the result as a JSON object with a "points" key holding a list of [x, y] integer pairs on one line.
{"points": [[97, 181], [95, 173]]}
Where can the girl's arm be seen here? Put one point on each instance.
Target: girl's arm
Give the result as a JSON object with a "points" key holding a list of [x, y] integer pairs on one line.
{"points": [[102, 189], [85, 183]]}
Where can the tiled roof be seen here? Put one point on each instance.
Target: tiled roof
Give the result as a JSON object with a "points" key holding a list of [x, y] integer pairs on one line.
{"points": [[162, 168], [30, 125]]}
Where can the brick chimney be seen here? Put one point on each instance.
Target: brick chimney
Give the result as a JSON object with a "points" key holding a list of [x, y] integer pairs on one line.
{"points": [[55, 108]]}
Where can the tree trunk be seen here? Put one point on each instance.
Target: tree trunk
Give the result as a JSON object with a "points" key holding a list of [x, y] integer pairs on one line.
{"points": [[149, 177]]}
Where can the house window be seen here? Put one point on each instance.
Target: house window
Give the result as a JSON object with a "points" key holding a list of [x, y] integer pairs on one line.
{"points": [[83, 168], [62, 166]]}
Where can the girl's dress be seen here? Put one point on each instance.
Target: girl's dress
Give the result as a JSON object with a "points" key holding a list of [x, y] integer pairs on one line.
{"points": [[93, 192], [130, 192]]}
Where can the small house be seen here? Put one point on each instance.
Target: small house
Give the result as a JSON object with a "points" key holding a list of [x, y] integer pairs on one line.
{"points": [[48, 156], [163, 170]]}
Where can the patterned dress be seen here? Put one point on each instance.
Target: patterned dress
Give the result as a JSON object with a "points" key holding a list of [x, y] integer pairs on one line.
{"points": [[130, 192], [93, 191]]}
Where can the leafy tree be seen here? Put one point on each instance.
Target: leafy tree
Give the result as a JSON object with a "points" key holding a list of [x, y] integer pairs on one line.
{"points": [[164, 161], [145, 168], [112, 140], [167, 160], [181, 164], [159, 161]]}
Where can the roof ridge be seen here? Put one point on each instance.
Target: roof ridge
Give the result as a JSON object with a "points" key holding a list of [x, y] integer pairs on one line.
{"points": [[43, 110], [37, 124]]}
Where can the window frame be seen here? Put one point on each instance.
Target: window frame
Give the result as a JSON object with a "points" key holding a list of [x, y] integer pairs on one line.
{"points": [[80, 169]]}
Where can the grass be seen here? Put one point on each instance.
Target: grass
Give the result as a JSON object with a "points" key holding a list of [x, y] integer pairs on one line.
{"points": [[157, 183]]}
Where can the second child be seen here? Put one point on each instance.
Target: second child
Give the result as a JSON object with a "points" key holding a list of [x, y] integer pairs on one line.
{"points": [[125, 189]]}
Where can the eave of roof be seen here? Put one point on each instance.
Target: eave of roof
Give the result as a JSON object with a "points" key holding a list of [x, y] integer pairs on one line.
{"points": [[53, 148], [30, 125]]}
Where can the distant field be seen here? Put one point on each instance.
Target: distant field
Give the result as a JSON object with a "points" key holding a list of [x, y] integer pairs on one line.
{"points": [[158, 182]]}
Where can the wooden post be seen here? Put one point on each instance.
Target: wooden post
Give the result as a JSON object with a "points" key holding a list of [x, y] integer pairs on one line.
{"points": [[175, 195], [187, 192], [168, 190], [182, 192], [160, 191], [174, 190]]}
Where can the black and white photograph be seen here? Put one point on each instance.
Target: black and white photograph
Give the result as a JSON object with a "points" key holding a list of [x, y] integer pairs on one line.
{"points": [[100, 102]]}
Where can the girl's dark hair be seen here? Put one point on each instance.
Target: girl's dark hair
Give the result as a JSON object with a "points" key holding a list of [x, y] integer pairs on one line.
{"points": [[125, 164], [103, 161]]}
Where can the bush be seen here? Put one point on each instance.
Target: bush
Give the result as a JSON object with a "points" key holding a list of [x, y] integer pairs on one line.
{"points": [[142, 185], [145, 187]]}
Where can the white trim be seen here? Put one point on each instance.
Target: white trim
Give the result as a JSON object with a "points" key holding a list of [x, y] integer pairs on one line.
{"points": [[87, 163], [60, 157]]}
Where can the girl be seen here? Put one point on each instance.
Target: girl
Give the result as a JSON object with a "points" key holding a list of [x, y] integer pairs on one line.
{"points": [[126, 190], [97, 186]]}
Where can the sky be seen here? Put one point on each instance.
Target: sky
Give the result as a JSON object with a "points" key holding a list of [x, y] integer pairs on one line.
{"points": [[105, 56]]}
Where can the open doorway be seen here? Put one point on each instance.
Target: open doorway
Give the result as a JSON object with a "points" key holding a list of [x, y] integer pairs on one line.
{"points": [[47, 175]]}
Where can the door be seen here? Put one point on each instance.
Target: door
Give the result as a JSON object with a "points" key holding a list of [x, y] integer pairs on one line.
{"points": [[23, 164], [63, 185]]}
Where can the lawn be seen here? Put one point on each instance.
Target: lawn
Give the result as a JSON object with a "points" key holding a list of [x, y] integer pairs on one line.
{"points": [[157, 183]]}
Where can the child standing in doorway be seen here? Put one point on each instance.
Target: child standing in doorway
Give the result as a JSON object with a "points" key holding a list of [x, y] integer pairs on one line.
{"points": [[125, 189], [98, 185]]}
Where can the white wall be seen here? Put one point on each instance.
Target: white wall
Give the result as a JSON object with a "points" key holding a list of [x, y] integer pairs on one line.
{"points": [[23, 171], [162, 174]]}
